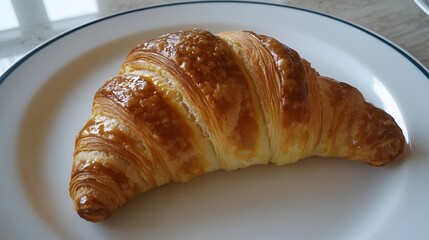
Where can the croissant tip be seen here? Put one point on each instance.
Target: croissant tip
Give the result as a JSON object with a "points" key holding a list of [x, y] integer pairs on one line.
{"points": [[94, 215], [92, 210], [384, 157]]}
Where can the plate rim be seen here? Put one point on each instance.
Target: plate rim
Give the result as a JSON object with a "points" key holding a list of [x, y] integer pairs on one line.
{"points": [[59, 36], [423, 5]]}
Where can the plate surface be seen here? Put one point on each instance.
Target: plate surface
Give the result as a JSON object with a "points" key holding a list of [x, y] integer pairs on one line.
{"points": [[46, 98]]}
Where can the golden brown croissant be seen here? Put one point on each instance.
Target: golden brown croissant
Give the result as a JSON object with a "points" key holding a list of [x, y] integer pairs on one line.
{"points": [[192, 102]]}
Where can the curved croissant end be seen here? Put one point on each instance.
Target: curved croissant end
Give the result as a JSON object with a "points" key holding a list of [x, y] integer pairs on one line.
{"points": [[192, 102]]}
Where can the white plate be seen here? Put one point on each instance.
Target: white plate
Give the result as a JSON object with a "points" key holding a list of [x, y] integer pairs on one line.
{"points": [[46, 97]]}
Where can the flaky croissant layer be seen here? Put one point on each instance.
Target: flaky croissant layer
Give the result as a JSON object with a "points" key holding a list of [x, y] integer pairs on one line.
{"points": [[192, 102]]}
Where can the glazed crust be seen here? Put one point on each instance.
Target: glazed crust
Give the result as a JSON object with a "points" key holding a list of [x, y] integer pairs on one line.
{"points": [[192, 102]]}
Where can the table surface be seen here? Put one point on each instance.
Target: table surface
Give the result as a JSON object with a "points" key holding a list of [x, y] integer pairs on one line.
{"points": [[26, 24]]}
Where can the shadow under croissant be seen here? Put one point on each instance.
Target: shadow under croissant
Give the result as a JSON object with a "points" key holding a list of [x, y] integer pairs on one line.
{"points": [[302, 191], [94, 210]]}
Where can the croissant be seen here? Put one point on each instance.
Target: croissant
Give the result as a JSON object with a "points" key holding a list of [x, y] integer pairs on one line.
{"points": [[192, 102]]}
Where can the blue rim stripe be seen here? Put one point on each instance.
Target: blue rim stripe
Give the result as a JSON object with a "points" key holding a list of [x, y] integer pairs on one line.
{"points": [[4, 76]]}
